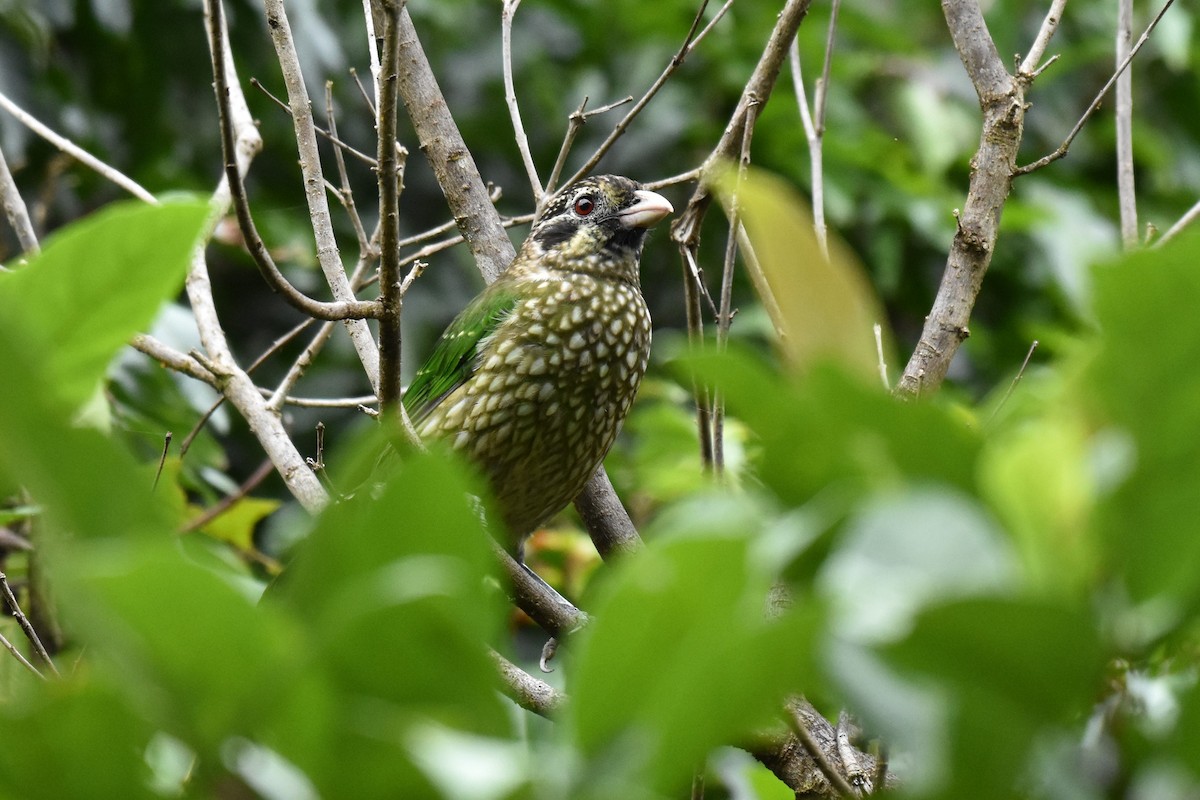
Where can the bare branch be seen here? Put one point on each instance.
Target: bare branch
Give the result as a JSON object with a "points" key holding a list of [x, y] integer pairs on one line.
{"points": [[314, 192], [507, 13], [686, 229], [232, 380], [689, 43], [1002, 101], [452, 163], [330, 134], [15, 210], [1095, 104], [605, 518], [1187, 219], [1029, 67], [23, 622], [172, 358], [239, 141], [1126, 192], [389, 390], [76, 152], [576, 121], [525, 690]]}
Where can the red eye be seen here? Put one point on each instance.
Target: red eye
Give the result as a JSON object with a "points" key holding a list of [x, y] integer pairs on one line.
{"points": [[584, 206]]}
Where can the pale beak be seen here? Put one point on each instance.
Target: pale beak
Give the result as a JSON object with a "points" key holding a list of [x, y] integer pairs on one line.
{"points": [[649, 209]]}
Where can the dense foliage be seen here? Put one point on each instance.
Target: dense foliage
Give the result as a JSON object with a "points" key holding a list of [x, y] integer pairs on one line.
{"points": [[999, 581]]}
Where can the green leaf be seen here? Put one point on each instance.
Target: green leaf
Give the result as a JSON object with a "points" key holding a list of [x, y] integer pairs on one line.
{"points": [[85, 721], [394, 586], [236, 525], [1005, 672], [1145, 386], [823, 308], [831, 431], [95, 284], [681, 655]]}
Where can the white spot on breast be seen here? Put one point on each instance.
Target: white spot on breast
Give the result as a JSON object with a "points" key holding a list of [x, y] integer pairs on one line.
{"points": [[576, 342], [538, 367]]}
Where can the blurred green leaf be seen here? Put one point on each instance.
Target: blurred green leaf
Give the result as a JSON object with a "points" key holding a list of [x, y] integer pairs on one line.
{"points": [[831, 432], [823, 308], [94, 285], [236, 525], [85, 721], [1004, 669], [394, 586], [1144, 382], [681, 655]]}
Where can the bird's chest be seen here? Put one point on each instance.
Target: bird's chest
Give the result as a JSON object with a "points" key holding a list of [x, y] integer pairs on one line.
{"points": [[559, 374]]}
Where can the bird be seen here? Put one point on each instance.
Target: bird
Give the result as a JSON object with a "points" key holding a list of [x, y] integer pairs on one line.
{"points": [[533, 379]]}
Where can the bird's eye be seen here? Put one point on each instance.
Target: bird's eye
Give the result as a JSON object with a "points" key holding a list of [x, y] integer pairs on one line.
{"points": [[584, 205]]}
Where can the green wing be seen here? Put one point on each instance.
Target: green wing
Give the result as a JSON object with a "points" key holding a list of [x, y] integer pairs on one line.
{"points": [[455, 357]]}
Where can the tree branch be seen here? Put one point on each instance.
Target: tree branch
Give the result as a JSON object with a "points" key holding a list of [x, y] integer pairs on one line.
{"points": [[1126, 193], [239, 142], [76, 152], [1062, 149], [231, 379], [390, 300], [525, 690], [15, 210], [447, 153], [1002, 100], [314, 188]]}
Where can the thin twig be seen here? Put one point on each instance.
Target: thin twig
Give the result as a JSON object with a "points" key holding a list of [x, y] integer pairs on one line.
{"points": [[1016, 379], [300, 366], [883, 374], [330, 134], [576, 120], [814, 125], [10, 647], [162, 459], [344, 192], [76, 152], [693, 38], [230, 500], [26, 625], [1095, 104], [1126, 192], [323, 402], [373, 55], [351, 309], [507, 12], [822, 88], [1030, 66], [1187, 219], [171, 358], [15, 210], [725, 312], [389, 389]]}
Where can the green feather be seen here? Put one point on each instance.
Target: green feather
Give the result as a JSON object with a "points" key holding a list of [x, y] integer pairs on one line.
{"points": [[456, 356]]}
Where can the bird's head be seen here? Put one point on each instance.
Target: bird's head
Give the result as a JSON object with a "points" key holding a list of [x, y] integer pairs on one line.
{"points": [[594, 225]]}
